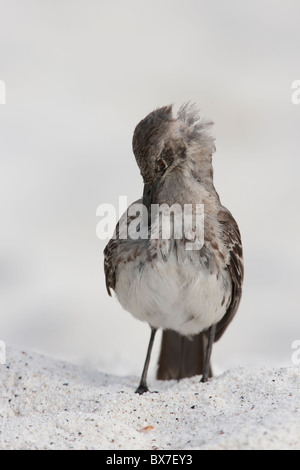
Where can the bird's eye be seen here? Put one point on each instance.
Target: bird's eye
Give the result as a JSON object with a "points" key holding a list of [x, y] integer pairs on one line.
{"points": [[160, 164]]}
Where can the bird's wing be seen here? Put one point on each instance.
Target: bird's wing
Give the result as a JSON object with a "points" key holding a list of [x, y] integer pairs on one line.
{"points": [[231, 237], [109, 264], [119, 248]]}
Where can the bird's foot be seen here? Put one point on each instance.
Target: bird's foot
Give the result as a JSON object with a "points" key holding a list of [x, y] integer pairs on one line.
{"points": [[204, 379], [142, 389]]}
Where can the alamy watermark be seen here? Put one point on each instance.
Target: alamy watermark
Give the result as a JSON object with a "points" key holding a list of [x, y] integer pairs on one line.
{"points": [[296, 94], [296, 354], [2, 92], [2, 353], [159, 222]]}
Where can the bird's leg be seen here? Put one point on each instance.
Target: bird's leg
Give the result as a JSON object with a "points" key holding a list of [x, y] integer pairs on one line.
{"points": [[210, 342], [142, 388]]}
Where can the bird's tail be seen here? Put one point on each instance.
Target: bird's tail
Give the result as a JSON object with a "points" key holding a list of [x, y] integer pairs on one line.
{"points": [[180, 356]]}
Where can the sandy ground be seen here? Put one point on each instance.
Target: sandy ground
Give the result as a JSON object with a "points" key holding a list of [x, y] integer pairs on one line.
{"points": [[48, 404]]}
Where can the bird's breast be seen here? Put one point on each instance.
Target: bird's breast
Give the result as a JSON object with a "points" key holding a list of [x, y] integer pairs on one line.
{"points": [[174, 292]]}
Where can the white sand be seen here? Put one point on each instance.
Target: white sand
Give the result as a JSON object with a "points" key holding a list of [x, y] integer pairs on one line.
{"points": [[47, 404]]}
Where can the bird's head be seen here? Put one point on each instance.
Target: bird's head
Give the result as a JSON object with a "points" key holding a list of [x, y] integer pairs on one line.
{"points": [[163, 143]]}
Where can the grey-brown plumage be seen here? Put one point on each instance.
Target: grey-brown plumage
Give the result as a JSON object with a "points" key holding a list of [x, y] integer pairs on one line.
{"points": [[191, 295]]}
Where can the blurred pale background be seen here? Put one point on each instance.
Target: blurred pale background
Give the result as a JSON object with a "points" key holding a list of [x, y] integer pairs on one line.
{"points": [[79, 76]]}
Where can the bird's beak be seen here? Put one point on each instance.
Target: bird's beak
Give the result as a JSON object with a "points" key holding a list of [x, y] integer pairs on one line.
{"points": [[150, 192], [147, 196]]}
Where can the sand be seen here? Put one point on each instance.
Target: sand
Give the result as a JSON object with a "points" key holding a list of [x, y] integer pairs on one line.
{"points": [[49, 404]]}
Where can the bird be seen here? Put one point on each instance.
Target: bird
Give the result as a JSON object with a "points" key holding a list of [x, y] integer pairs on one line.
{"points": [[192, 295]]}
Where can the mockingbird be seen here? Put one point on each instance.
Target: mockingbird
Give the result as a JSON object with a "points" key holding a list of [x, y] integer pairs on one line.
{"points": [[192, 294]]}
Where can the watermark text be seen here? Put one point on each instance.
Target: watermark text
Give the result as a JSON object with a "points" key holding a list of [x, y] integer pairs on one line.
{"points": [[2, 92], [296, 94], [2, 353], [158, 222], [296, 354]]}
